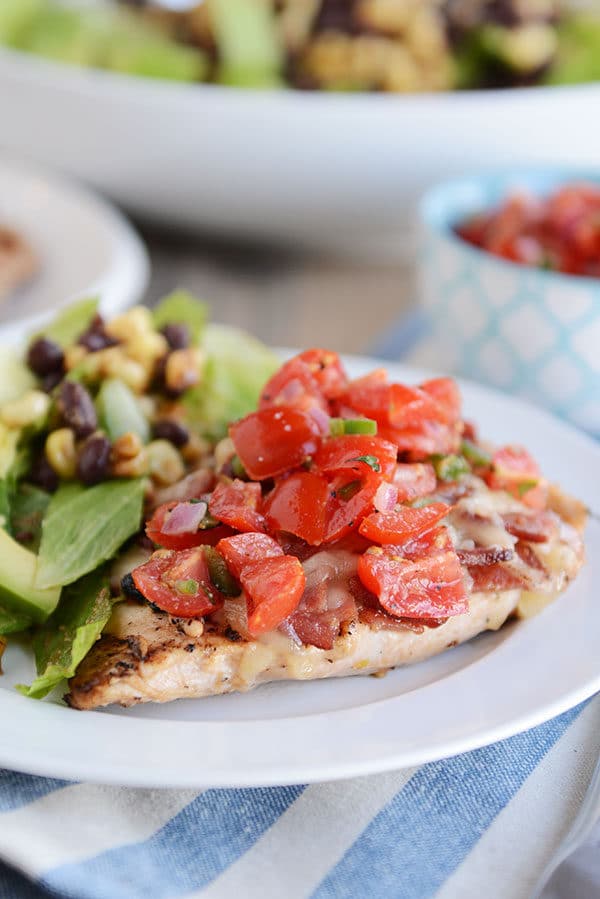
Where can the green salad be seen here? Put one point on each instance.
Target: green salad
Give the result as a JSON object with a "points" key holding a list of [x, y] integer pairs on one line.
{"points": [[396, 46], [97, 419]]}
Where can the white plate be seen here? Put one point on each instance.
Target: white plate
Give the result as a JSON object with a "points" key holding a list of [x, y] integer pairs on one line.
{"points": [[299, 167], [483, 691], [84, 246]]}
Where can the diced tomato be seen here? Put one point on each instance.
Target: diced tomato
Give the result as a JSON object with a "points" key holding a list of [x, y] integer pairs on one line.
{"points": [[178, 583], [336, 452], [351, 495], [431, 541], [515, 471], [293, 385], [446, 394], [369, 395], [414, 480], [410, 406], [429, 587], [298, 505], [402, 524], [327, 370], [243, 549], [204, 536], [238, 504], [274, 440], [431, 439], [274, 587]]}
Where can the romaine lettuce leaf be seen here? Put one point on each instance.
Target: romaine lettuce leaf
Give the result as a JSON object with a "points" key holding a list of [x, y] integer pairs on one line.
{"points": [[71, 322], [85, 526], [181, 307], [237, 367], [27, 509], [63, 641], [11, 621]]}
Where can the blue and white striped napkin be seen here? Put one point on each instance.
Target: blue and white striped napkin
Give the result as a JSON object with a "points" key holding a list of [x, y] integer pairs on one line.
{"points": [[481, 824]]}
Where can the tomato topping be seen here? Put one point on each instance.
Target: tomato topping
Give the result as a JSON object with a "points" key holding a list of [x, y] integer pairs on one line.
{"points": [[274, 440], [351, 495], [560, 232], [446, 394], [327, 370], [410, 406], [298, 505], [403, 523], [178, 583], [243, 549], [274, 586], [414, 480], [237, 504], [369, 395], [336, 452], [429, 587], [155, 531], [293, 385], [515, 471]]}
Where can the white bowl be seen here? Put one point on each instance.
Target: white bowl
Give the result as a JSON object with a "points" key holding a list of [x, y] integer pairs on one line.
{"points": [[84, 247], [304, 168]]}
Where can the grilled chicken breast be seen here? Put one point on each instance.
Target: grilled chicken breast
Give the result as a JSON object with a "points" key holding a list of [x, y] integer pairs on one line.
{"points": [[144, 655]]}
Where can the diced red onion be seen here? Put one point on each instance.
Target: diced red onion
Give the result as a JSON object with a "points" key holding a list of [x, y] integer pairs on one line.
{"points": [[184, 518], [321, 418], [386, 497]]}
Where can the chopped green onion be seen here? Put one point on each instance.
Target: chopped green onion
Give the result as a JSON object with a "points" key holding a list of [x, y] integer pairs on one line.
{"points": [[190, 586], [238, 468], [208, 522], [450, 468], [371, 461], [348, 490], [219, 574], [474, 454], [526, 486], [340, 426]]}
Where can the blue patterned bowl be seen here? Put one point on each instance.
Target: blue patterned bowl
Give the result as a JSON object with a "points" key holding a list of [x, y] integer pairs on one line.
{"points": [[525, 330]]}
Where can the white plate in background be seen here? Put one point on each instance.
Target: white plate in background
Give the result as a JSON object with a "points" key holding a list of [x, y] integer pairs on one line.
{"points": [[85, 247], [490, 688], [318, 169]]}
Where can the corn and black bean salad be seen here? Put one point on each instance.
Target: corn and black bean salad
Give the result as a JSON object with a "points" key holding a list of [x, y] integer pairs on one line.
{"points": [[333, 45]]}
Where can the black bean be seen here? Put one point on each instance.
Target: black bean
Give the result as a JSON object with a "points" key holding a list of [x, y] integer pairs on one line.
{"points": [[95, 337], [175, 433], [42, 474], [76, 409], [177, 335], [130, 590], [45, 357], [52, 380], [93, 460]]}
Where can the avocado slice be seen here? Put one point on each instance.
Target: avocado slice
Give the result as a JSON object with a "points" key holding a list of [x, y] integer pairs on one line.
{"points": [[17, 575]]}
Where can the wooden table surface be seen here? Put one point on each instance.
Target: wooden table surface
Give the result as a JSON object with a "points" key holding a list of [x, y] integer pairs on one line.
{"points": [[284, 298]]}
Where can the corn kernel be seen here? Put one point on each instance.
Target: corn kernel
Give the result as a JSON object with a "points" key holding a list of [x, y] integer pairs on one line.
{"points": [[29, 409], [183, 369], [196, 449], [166, 464], [147, 348], [224, 451], [114, 363], [74, 355], [134, 322], [127, 446], [135, 467], [62, 453]]}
